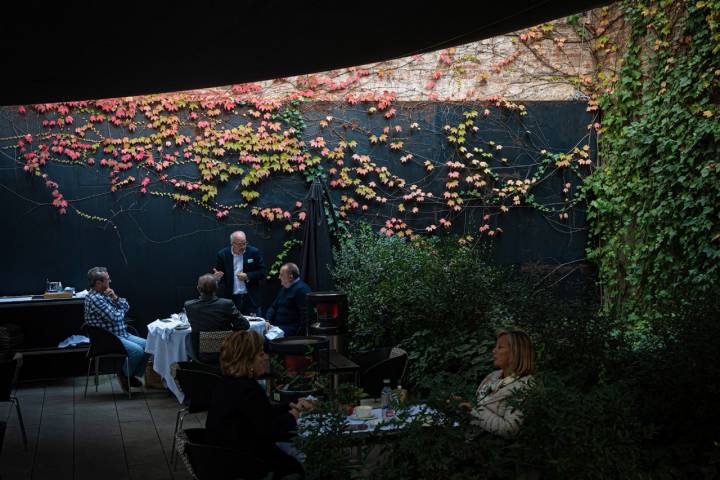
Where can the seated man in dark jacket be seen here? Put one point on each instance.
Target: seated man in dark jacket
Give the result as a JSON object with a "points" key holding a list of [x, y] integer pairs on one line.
{"points": [[289, 310], [211, 314]]}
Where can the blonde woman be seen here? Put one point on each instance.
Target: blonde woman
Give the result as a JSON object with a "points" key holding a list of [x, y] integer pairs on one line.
{"points": [[514, 357], [241, 416]]}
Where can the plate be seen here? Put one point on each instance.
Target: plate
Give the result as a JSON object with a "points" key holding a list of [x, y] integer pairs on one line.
{"points": [[369, 417], [182, 327], [165, 320]]}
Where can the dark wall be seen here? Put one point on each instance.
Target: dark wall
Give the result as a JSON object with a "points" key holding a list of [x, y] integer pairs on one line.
{"points": [[155, 250]]}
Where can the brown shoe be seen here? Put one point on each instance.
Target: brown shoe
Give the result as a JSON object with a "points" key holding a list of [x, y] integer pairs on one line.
{"points": [[123, 381]]}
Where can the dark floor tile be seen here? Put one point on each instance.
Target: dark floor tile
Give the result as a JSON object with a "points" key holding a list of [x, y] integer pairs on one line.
{"points": [[150, 471], [139, 453], [107, 469]]}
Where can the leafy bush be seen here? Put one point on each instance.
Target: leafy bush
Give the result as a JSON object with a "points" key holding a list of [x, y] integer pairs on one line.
{"points": [[397, 287], [613, 401]]}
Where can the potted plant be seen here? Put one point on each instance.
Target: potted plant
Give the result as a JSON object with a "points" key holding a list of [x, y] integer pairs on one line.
{"points": [[348, 396]]}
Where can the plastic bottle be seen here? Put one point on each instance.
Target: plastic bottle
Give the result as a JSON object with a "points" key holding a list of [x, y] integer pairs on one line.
{"points": [[386, 399], [401, 394]]}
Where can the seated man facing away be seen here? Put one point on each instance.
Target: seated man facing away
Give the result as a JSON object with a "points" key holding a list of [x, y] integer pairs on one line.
{"points": [[211, 314], [104, 309], [289, 310]]}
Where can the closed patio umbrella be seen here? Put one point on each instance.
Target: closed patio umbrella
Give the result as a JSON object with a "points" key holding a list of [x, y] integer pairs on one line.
{"points": [[316, 258]]}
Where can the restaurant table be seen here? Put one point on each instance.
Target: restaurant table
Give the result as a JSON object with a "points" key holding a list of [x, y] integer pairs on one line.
{"points": [[167, 345]]}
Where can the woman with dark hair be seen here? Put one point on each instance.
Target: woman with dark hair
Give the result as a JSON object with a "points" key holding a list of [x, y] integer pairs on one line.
{"points": [[514, 357], [241, 416]]}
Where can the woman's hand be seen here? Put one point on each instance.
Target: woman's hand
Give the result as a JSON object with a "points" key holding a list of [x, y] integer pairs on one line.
{"points": [[294, 412], [462, 403], [303, 405]]}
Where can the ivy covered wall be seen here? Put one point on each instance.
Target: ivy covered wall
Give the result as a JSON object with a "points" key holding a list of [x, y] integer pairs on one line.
{"points": [[154, 202], [656, 216]]}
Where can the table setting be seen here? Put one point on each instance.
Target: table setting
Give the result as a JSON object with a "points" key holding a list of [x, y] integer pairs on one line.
{"points": [[166, 342]]}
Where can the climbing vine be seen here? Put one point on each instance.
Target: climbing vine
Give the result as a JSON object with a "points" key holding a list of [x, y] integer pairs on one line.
{"points": [[217, 150], [656, 214]]}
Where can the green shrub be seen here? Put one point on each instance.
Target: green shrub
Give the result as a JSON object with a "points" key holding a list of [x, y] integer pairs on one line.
{"points": [[396, 287]]}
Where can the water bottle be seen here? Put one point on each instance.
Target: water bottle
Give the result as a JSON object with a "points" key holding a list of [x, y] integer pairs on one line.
{"points": [[401, 394], [386, 399]]}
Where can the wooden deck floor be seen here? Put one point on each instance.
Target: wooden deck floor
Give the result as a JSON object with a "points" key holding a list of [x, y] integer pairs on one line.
{"points": [[105, 436]]}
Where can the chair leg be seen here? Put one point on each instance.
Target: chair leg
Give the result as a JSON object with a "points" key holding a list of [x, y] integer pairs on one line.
{"points": [[87, 377], [97, 369], [174, 439], [20, 419], [178, 425], [127, 364]]}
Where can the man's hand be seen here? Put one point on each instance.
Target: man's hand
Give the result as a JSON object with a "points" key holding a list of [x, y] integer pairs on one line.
{"points": [[268, 326], [217, 274], [110, 293], [242, 276]]}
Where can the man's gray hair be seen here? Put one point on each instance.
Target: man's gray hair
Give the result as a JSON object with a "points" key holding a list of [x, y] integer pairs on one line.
{"points": [[293, 269], [95, 274], [207, 285]]}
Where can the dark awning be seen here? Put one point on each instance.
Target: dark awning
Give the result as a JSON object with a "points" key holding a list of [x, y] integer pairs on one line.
{"points": [[57, 52]]}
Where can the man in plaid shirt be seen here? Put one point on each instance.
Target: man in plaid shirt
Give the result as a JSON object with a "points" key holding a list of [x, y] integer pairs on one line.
{"points": [[104, 309]]}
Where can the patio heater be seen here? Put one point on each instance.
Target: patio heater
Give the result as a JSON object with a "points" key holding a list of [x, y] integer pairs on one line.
{"points": [[328, 318]]}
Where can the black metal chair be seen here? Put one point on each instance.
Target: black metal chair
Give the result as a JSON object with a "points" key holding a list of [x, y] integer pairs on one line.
{"points": [[212, 462], [378, 365], [197, 383], [9, 371], [103, 344]]}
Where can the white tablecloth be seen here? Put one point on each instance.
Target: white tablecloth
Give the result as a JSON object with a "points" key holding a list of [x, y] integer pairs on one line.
{"points": [[167, 345], [376, 423]]}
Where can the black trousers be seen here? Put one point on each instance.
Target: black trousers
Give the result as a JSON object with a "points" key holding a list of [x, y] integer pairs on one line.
{"points": [[245, 304]]}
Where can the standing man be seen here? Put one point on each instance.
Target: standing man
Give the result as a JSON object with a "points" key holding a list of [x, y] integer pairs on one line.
{"points": [[211, 314], [240, 268], [289, 310], [104, 309]]}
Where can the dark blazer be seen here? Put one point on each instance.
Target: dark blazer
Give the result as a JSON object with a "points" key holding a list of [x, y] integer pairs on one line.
{"points": [[212, 315], [241, 417], [290, 308], [253, 265]]}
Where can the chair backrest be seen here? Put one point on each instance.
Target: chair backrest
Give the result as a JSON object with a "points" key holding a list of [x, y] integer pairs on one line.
{"points": [[369, 358], [102, 342], [198, 387], [209, 344], [393, 368], [212, 462]]}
